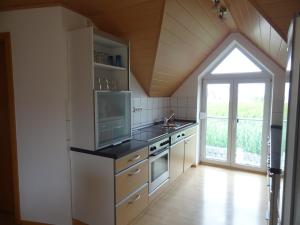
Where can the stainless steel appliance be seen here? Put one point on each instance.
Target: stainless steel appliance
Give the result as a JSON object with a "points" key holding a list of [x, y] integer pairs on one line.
{"points": [[288, 160], [158, 164], [112, 117]]}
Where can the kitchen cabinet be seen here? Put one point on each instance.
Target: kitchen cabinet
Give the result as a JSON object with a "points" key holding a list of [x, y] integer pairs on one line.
{"points": [[97, 62], [132, 206], [109, 191], [176, 160], [190, 151]]}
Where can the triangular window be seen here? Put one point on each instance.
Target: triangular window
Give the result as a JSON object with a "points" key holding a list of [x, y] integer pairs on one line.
{"points": [[236, 62]]}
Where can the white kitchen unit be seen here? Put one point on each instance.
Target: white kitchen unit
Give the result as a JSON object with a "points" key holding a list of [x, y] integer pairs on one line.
{"points": [[176, 160], [98, 62], [190, 145], [182, 152], [109, 191]]}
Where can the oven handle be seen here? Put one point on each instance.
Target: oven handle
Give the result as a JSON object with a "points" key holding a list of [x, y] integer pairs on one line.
{"points": [[158, 154]]}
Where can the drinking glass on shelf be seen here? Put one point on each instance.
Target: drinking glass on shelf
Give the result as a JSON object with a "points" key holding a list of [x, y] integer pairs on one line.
{"points": [[99, 83]]}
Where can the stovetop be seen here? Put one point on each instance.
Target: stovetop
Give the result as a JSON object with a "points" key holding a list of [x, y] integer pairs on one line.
{"points": [[147, 135], [156, 131]]}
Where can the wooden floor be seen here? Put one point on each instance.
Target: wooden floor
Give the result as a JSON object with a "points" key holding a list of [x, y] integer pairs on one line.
{"points": [[206, 196], [211, 196]]}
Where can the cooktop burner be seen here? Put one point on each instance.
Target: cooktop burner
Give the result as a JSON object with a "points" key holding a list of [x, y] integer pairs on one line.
{"points": [[147, 135]]}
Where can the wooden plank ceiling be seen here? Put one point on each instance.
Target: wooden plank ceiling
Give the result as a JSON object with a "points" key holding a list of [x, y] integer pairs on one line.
{"points": [[170, 38], [256, 28], [278, 13]]}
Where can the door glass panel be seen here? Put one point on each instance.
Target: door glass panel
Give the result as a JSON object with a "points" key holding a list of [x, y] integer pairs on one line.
{"points": [[250, 114], [217, 121]]}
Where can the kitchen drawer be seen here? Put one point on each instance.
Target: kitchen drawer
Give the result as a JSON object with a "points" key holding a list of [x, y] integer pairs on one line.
{"points": [[190, 131], [131, 179], [131, 159], [132, 206]]}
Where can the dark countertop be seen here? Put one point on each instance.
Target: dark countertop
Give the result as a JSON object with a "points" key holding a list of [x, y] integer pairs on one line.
{"points": [[117, 151], [140, 139]]}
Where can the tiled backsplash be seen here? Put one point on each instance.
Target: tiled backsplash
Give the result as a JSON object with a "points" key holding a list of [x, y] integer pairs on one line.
{"points": [[147, 110], [184, 107]]}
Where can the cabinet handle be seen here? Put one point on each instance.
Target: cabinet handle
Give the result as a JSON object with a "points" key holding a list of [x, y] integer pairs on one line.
{"points": [[134, 200], [135, 172], [135, 158]]}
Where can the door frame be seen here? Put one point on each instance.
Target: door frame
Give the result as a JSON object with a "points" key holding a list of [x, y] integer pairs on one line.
{"points": [[234, 80], [6, 40]]}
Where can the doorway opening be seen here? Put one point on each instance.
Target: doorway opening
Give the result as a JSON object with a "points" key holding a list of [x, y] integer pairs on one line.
{"points": [[236, 101], [9, 191]]}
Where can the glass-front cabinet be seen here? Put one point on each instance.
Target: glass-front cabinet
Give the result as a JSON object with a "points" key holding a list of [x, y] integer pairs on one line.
{"points": [[112, 117], [100, 101]]}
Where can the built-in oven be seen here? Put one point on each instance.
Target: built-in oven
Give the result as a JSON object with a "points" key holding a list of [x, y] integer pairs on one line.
{"points": [[158, 164]]}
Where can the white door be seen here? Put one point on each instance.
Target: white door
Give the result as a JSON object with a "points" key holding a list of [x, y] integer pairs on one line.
{"points": [[236, 123]]}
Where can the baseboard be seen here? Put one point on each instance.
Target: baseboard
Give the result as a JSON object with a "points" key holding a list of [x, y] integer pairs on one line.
{"points": [[232, 168], [25, 222], [77, 222]]}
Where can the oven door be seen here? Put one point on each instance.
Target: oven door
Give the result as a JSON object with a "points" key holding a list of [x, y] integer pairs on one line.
{"points": [[159, 169]]}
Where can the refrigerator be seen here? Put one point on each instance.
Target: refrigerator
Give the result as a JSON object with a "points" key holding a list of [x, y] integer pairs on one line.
{"points": [[284, 166]]}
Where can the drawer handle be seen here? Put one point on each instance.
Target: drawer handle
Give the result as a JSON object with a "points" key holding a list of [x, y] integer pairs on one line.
{"points": [[135, 158], [134, 200], [135, 172]]}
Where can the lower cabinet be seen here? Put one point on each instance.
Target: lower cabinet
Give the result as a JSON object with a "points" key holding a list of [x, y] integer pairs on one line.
{"points": [[190, 151], [131, 179], [108, 191], [132, 206], [114, 192], [176, 160]]}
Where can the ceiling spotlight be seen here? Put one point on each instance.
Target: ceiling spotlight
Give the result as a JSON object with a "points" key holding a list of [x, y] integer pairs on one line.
{"points": [[222, 12]]}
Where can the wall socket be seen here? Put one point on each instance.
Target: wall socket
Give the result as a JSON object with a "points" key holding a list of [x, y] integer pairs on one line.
{"points": [[137, 109]]}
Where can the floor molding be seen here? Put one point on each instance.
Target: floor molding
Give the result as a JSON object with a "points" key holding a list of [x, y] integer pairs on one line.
{"points": [[232, 168]]}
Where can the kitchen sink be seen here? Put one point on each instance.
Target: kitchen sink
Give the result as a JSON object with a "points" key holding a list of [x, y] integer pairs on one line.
{"points": [[175, 125]]}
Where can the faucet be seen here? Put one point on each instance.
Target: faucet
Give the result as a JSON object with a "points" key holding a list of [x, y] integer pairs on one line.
{"points": [[167, 119]]}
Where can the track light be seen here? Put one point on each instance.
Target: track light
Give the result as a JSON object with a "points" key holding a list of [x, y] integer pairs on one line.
{"points": [[222, 12], [216, 3]]}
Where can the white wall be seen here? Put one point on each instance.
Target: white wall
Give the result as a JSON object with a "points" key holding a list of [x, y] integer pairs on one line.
{"points": [[153, 109], [39, 58]]}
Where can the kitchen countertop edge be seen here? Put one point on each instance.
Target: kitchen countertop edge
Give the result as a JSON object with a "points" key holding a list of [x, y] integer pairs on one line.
{"points": [[127, 147]]}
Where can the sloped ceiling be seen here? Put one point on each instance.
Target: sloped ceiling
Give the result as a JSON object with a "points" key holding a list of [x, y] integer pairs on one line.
{"points": [[170, 38], [256, 28], [190, 30], [278, 13]]}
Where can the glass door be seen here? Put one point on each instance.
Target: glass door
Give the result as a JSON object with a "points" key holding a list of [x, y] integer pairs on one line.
{"points": [[250, 124], [236, 121], [217, 125]]}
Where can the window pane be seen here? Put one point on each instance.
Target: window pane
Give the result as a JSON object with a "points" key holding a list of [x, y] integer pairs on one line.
{"points": [[250, 113], [236, 62], [217, 121]]}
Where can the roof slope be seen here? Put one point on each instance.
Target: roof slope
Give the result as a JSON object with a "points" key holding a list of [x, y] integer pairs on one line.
{"points": [[171, 38]]}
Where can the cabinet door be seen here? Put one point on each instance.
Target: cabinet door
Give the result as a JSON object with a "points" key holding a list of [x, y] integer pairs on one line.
{"points": [[176, 160], [189, 151]]}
